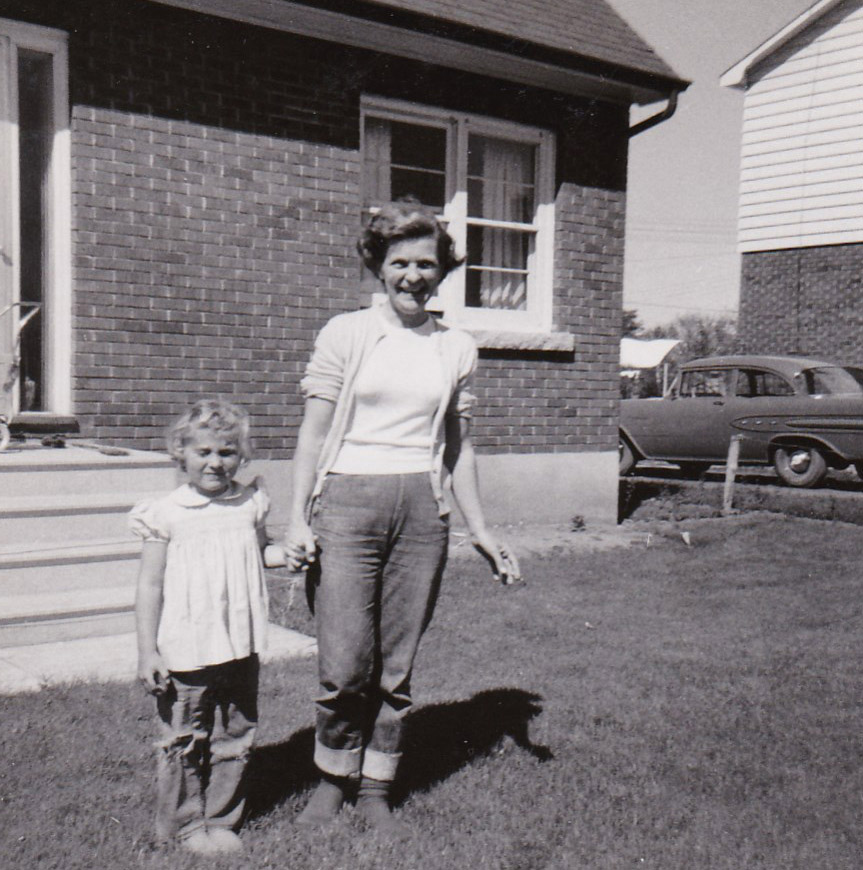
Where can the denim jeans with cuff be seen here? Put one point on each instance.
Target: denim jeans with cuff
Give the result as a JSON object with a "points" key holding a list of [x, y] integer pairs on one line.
{"points": [[383, 547], [208, 722]]}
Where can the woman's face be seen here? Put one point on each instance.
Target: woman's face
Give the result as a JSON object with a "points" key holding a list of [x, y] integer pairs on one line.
{"points": [[410, 274]]}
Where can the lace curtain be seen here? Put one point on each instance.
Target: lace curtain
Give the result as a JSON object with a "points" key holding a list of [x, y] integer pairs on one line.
{"points": [[500, 188]]}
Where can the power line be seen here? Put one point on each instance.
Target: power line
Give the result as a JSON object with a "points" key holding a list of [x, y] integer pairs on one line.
{"points": [[678, 257], [701, 308]]}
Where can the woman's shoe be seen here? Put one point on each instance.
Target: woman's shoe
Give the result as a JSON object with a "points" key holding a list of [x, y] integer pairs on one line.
{"points": [[373, 804], [325, 803]]}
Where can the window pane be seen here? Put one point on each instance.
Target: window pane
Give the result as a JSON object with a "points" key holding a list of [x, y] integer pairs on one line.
{"points": [[35, 111], [772, 385], [705, 384], [752, 382], [746, 386], [497, 268], [404, 159], [831, 381], [501, 179]]}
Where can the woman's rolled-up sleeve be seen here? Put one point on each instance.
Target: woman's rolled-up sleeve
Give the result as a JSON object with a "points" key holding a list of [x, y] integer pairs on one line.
{"points": [[325, 372], [462, 401]]}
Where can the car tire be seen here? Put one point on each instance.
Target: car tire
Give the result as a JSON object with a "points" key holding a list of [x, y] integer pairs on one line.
{"points": [[693, 470], [858, 467], [626, 456], [803, 467]]}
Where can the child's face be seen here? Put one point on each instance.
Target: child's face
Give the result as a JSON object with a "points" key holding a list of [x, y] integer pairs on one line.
{"points": [[211, 460]]}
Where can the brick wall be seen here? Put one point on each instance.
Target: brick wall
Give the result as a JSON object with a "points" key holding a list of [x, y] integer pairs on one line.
{"points": [[806, 301], [216, 202]]}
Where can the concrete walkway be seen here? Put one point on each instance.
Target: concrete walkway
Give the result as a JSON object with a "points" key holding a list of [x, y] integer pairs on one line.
{"points": [[102, 659]]}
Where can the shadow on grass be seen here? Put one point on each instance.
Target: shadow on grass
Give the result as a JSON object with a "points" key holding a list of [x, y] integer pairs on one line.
{"points": [[633, 493], [279, 771], [440, 740]]}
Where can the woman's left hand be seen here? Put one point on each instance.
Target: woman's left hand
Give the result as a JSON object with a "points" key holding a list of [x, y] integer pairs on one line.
{"points": [[502, 560]]}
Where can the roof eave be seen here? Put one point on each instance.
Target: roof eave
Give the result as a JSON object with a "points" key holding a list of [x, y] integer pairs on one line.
{"points": [[524, 63], [738, 75]]}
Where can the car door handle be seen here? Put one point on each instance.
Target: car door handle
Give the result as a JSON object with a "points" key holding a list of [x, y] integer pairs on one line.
{"points": [[719, 402]]}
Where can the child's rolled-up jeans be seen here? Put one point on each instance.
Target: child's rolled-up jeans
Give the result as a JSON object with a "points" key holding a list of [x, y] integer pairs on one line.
{"points": [[383, 547], [208, 722]]}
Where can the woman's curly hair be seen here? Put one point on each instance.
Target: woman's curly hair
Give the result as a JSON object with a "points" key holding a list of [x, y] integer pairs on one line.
{"points": [[406, 219]]}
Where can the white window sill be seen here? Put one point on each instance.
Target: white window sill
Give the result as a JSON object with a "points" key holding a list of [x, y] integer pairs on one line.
{"points": [[501, 339], [508, 339]]}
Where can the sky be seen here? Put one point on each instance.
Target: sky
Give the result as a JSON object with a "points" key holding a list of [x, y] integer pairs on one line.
{"points": [[681, 233]]}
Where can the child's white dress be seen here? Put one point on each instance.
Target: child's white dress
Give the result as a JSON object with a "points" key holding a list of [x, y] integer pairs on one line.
{"points": [[215, 595]]}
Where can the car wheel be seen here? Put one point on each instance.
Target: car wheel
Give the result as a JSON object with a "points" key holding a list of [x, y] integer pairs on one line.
{"points": [[800, 466], [625, 456], [693, 470], [858, 467]]}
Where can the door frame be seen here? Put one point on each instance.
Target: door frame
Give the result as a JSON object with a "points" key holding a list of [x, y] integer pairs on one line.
{"points": [[57, 313]]}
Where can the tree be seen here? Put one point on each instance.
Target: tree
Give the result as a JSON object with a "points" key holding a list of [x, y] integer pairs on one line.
{"points": [[700, 335], [631, 326]]}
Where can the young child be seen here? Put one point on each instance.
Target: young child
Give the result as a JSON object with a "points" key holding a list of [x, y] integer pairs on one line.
{"points": [[201, 613]]}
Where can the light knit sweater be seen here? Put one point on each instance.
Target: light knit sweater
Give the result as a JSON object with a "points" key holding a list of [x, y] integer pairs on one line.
{"points": [[341, 349]]}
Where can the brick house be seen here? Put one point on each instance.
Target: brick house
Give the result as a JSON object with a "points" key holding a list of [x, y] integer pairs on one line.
{"points": [[189, 179], [801, 186]]}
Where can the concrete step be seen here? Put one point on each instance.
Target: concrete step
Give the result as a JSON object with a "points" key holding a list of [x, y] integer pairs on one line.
{"points": [[66, 627], [68, 563], [56, 519], [58, 604], [28, 569], [78, 471], [54, 616]]}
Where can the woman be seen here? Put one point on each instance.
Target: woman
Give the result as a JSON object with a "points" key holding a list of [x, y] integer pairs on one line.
{"points": [[386, 426]]}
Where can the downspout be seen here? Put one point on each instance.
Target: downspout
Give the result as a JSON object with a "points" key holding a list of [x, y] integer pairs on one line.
{"points": [[658, 118]]}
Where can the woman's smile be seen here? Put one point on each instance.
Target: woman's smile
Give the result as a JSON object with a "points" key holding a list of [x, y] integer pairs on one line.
{"points": [[410, 274]]}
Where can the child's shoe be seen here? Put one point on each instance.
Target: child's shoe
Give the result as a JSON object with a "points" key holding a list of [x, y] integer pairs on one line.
{"points": [[212, 842], [225, 840], [198, 842]]}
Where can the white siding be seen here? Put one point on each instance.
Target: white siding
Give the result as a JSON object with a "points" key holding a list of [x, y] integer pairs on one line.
{"points": [[802, 148]]}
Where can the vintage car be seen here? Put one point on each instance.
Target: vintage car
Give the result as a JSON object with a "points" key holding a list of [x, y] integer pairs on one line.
{"points": [[803, 416]]}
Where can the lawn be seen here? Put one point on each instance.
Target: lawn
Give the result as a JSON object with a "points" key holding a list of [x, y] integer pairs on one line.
{"points": [[670, 706]]}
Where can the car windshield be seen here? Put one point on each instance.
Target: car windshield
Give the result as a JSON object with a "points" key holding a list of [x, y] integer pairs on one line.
{"points": [[833, 381]]}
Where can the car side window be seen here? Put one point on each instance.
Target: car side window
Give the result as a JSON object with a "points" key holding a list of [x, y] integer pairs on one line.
{"points": [[707, 383], [754, 382], [745, 383], [773, 385]]}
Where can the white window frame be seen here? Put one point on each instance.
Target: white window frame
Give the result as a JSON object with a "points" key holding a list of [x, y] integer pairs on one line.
{"points": [[459, 125], [14, 36]]}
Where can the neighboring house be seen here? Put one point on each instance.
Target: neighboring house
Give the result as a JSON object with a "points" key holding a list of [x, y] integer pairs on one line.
{"points": [[801, 186], [188, 180], [644, 366]]}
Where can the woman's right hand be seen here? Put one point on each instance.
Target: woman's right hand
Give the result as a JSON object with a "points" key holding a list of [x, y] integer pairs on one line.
{"points": [[300, 545]]}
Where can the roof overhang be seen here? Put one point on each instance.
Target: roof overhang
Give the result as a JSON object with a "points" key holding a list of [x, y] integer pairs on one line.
{"points": [[738, 75], [564, 73], [639, 353]]}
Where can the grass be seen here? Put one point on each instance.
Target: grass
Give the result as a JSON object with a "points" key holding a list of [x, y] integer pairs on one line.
{"points": [[660, 706]]}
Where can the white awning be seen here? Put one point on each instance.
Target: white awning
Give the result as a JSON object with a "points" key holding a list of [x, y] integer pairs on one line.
{"points": [[639, 354]]}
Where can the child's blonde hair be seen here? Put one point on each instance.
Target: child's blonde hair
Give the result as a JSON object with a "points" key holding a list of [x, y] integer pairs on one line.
{"points": [[217, 415]]}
